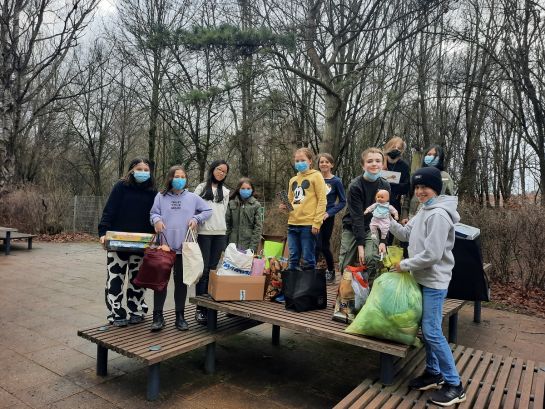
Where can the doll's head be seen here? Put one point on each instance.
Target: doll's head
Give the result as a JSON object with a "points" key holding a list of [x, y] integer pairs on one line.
{"points": [[382, 196]]}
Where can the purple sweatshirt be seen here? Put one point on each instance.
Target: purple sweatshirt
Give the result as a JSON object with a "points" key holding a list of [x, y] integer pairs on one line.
{"points": [[175, 211]]}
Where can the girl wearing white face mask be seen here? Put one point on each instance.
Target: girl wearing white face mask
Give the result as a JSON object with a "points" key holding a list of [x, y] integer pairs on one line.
{"points": [[127, 210]]}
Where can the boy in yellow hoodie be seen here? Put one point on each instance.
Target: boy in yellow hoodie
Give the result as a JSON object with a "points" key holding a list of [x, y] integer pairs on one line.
{"points": [[307, 195]]}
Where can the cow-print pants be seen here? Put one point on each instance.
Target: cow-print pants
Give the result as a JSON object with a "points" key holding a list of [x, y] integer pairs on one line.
{"points": [[120, 265]]}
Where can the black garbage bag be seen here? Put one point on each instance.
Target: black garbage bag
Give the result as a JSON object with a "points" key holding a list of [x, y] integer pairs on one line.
{"points": [[304, 290]]}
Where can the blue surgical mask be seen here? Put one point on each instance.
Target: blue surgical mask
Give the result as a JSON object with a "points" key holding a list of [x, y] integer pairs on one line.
{"points": [[372, 176], [431, 160], [245, 193], [301, 166], [178, 183], [141, 176], [430, 201]]}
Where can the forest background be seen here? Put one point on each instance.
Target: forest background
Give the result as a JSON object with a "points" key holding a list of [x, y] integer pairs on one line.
{"points": [[86, 85]]}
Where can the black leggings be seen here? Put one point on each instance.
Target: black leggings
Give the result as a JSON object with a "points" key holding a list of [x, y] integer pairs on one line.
{"points": [[180, 289], [322, 242], [211, 248]]}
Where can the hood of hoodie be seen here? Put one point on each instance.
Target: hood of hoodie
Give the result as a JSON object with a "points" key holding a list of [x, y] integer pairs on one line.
{"points": [[447, 203]]}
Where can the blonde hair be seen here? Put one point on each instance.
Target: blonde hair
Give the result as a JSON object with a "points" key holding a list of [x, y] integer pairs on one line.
{"points": [[307, 152], [368, 151], [396, 140]]}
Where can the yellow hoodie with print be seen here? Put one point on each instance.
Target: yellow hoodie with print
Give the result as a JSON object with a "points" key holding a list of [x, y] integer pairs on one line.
{"points": [[307, 195]]}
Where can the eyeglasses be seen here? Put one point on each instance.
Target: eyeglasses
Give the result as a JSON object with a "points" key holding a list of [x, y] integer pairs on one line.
{"points": [[224, 172]]}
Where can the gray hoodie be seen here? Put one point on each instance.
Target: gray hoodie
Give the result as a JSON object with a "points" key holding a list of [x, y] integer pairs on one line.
{"points": [[430, 234]]}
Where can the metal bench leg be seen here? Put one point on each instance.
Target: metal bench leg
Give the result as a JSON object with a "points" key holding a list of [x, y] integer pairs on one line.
{"points": [[102, 361], [275, 335], [7, 243], [30, 243], [153, 381], [386, 369], [210, 361], [477, 312], [453, 328]]}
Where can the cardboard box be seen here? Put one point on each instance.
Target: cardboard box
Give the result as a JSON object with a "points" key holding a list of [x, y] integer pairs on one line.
{"points": [[131, 237], [236, 288]]}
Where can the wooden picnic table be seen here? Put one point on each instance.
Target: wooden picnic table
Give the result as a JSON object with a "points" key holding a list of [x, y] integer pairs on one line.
{"points": [[317, 323], [7, 241]]}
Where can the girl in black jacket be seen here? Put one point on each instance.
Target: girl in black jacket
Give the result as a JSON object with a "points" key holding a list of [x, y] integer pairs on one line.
{"points": [[127, 210]]}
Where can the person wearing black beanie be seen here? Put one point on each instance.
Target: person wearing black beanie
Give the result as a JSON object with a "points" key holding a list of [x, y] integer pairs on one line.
{"points": [[430, 177]]}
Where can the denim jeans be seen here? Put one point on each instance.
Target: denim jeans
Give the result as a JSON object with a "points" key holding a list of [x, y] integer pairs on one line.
{"points": [[439, 357], [301, 242]]}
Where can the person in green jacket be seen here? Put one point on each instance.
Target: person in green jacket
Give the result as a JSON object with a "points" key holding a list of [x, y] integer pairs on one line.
{"points": [[244, 217]]}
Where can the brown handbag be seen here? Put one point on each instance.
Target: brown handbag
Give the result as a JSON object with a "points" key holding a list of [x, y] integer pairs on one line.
{"points": [[154, 272]]}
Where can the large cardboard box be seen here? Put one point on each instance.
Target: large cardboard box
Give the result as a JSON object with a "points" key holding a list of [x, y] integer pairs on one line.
{"points": [[236, 287]]}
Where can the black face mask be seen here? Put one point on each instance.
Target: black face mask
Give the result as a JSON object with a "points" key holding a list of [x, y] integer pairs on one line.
{"points": [[394, 154]]}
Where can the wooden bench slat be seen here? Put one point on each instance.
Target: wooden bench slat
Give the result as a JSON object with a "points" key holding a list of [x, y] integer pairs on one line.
{"points": [[16, 235], [349, 399], [526, 385], [497, 395], [513, 385], [474, 386], [366, 399], [482, 398], [539, 393]]}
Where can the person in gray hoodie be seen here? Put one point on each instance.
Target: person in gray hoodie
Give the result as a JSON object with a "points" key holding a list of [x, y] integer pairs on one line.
{"points": [[175, 210], [430, 234]]}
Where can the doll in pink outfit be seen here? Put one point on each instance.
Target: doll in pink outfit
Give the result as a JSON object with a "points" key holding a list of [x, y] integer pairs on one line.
{"points": [[381, 217]]}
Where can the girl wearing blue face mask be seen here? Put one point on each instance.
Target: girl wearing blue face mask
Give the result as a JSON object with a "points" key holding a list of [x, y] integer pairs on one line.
{"points": [[434, 157], [307, 195], [244, 217], [127, 210], [175, 210]]}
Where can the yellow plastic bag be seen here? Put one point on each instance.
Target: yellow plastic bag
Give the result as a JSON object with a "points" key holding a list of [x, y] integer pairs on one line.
{"points": [[393, 256]]}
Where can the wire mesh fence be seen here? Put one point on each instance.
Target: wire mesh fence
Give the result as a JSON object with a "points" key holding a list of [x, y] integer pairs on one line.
{"points": [[86, 213]]}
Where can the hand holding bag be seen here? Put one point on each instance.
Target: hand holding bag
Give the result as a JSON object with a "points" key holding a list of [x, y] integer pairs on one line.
{"points": [[192, 261], [154, 272]]}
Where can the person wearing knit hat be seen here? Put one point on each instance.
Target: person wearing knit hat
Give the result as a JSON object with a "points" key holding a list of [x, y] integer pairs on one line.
{"points": [[430, 234], [430, 177]]}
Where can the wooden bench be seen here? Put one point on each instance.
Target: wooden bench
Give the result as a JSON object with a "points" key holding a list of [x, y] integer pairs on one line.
{"points": [[9, 234], [137, 341], [319, 323], [491, 381]]}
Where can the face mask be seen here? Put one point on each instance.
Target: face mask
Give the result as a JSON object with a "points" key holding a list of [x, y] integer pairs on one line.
{"points": [[394, 154], [178, 183], [430, 201], [301, 166], [141, 176], [431, 160], [245, 193], [372, 176]]}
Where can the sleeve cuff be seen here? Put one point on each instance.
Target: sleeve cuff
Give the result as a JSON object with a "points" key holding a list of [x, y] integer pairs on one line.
{"points": [[403, 265]]}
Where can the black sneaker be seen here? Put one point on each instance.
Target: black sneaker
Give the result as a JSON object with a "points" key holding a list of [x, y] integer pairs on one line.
{"points": [[120, 322], [200, 317], [181, 323], [448, 395], [136, 319], [158, 321], [329, 277], [427, 381]]}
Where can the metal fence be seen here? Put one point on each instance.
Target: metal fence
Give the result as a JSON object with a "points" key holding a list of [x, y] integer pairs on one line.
{"points": [[86, 213]]}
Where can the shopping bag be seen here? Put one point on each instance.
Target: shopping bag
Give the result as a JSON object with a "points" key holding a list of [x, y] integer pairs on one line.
{"points": [[154, 272], [273, 280], [236, 262], [394, 254], [345, 304], [392, 311], [193, 264], [304, 290], [258, 266], [360, 285], [272, 249]]}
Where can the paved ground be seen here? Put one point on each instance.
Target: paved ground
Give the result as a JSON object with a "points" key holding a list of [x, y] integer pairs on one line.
{"points": [[50, 292]]}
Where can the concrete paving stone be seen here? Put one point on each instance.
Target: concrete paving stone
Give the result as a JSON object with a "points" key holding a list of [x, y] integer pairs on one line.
{"points": [[125, 364], [82, 400], [231, 397], [8, 401], [54, 389], [61, 359], [23, 340], [19, 372], [87, 378]]}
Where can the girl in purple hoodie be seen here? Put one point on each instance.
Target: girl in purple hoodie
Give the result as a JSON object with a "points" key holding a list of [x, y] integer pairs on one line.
{"points": [[174, 210]]}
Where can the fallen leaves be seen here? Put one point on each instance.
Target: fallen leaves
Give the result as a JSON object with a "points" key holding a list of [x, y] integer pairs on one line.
{"points": [[66, 237]]}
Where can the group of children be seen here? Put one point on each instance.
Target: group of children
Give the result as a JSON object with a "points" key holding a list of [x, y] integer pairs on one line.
{"points": [[315, 198]]}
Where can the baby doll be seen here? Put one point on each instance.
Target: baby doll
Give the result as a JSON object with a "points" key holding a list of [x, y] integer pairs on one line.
{"points": [[381, 216]]}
